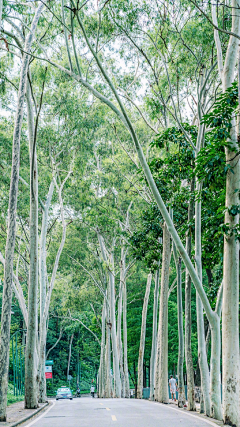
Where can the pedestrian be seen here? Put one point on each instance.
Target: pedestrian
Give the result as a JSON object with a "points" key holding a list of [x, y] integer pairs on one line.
{"points": [[92, 390], [173, 387]]}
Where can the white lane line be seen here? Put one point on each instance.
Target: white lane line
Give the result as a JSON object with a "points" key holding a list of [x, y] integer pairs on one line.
{"points": [[194, 416], [41, 416], [114, 418]]}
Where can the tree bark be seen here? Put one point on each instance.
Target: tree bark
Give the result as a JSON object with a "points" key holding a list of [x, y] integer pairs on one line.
{"points": [[109, 259], [202, 355], [31, 396], [108, 385], [230, 313], [161, 380], [119, 326], [188, 313], [142, 338], [69, 356], [102, 355], [126, 375], [181, 391], [116, 370], [154, 335], [43, 287], [11, 233]]}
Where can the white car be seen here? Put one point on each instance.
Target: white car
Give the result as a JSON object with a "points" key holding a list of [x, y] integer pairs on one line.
{"points": [[64, 393]]}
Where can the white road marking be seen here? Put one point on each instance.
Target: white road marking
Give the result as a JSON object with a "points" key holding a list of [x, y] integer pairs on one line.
{"points": [[41, 416], [114, 418], [107, 409], [194, 416]]}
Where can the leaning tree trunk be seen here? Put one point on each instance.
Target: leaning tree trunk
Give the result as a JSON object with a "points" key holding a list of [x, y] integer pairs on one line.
{"points": [[154, 336], [11, 233], [31, 395], [181, 391], [161, 378], [188, 312], [142, 338]]}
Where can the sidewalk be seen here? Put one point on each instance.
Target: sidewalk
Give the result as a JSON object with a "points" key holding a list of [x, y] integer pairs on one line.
{"points": [[16, 414]]}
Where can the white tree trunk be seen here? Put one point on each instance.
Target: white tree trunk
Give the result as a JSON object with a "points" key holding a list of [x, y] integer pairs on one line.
{"points": [[11, 234], [191, 406], [108, 385], [119, 327], [230, 319], [47, 297], [69, 355], [154, 335], [230, 313], [161, 387], [18, 292], [181, 391], [142, 338], [43, 286], [109, 259], [102, 356], [31, 396], [202, 355], [116, 371], [126, 376]]}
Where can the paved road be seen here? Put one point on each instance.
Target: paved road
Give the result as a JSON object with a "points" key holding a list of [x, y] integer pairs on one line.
{"points": [[88, 412]]}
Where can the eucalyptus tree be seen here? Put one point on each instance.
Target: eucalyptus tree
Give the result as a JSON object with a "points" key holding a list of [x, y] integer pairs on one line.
{"points": [[142, 338], [9, 252], [230, 324]]}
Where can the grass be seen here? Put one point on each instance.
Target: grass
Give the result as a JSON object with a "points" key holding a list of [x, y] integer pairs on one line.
{"points": [[10, 396]]}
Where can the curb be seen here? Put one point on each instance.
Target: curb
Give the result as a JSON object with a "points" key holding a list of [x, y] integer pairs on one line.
{"points": [[23, 420], [195, 414]]}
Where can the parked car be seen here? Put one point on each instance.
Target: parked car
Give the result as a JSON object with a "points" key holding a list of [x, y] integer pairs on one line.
{"points": [[64, 393]]}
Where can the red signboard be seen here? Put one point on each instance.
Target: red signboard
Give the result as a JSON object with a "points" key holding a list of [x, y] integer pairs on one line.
{"points": [[48, 374]]}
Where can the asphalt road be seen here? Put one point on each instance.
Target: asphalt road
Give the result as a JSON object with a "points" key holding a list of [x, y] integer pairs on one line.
{"points": [[88, 412]]}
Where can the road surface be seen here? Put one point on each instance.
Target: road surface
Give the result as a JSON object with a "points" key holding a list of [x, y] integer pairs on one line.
{"points": [[88, 412]]}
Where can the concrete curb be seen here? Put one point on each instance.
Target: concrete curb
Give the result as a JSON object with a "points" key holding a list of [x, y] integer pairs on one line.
{"points": [[23, 420], [195, 414]]}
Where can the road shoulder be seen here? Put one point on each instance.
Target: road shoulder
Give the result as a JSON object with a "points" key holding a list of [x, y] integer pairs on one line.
{"points": [[16, 414], [210, 421]]}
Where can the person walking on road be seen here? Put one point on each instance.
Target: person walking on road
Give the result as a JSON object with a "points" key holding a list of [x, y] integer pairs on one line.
{"points": [[92, 390], [173, 387]]}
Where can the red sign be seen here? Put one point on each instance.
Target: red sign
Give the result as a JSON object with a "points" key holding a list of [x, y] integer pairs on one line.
{"points": [[48, 374]]}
